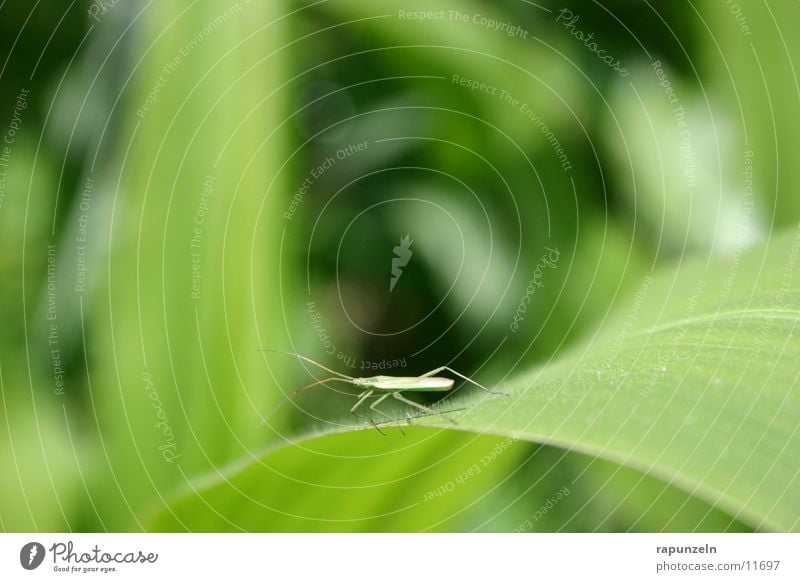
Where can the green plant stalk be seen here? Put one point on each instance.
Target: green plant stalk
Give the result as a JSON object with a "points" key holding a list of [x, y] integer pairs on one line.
{"points": [[178, 383]]}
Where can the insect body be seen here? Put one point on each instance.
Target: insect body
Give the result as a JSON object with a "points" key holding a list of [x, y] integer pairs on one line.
{"points": [[411, 383], [386, 386]]}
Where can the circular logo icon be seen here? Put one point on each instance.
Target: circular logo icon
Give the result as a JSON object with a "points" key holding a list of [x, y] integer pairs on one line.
{"points": [[31, 555]]}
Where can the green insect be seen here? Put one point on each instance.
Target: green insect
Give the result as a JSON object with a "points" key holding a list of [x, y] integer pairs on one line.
{"points": [[385, 387]]}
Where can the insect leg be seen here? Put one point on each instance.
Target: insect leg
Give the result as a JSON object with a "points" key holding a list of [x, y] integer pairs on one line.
{"points": [[430, 411], [369, 420], [361, 398], [460, 375], [378, 401], [381, 412]]}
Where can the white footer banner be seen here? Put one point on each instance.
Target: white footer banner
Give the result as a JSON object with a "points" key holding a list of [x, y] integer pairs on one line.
{"points": [[401, 557]]}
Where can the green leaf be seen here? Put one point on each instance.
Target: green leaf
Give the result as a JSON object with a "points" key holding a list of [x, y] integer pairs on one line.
{"points": [[200, 201], [353, 481], [694, 382]]}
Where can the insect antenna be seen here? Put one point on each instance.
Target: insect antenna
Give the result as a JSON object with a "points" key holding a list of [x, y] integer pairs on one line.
{"points": [[295, 393], [305, 359]]}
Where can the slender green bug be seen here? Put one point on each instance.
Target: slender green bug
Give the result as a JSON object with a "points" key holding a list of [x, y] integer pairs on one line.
{"points": [[384, 387]]}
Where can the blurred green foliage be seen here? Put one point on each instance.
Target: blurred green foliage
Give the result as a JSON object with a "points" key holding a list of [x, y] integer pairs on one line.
{"points": [[163, 148]]}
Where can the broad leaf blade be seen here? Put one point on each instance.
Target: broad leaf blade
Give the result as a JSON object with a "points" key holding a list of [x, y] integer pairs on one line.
{"points": [[355, 481], [695, 383]]}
